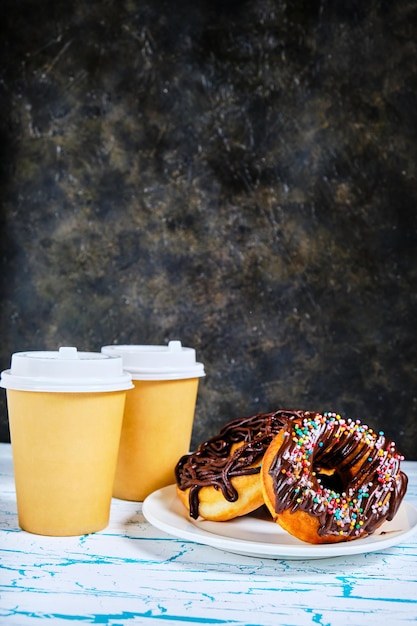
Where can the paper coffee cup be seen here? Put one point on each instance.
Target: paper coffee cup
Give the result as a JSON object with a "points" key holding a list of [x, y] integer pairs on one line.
{"points": [[65, 413], [158, 417]]}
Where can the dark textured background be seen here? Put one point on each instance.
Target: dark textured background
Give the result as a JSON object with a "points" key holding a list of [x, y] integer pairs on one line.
{"points": [[237, 175]]}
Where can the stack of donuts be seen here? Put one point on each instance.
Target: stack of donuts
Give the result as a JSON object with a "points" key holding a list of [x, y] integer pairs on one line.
{"points": [[323, 478]]}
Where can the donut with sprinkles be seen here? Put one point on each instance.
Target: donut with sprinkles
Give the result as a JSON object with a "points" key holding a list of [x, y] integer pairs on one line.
{"points": [[327, 479]]}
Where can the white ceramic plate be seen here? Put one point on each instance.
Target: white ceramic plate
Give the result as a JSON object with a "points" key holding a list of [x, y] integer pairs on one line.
{"points": [[257, 535]]}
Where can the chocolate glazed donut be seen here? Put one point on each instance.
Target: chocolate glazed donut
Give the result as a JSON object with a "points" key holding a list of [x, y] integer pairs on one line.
{"points": [[328, 479], [222, 467]]}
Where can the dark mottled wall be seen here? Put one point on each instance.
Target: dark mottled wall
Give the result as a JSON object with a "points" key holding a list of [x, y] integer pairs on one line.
{"points": [[237, 175]]}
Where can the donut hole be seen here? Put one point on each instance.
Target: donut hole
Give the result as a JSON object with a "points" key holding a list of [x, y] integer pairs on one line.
{"points": [[329, 479]]}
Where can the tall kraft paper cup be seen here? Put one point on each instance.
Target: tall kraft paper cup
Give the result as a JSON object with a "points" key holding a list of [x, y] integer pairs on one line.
{"points": [[65, 413], [158, 418]]}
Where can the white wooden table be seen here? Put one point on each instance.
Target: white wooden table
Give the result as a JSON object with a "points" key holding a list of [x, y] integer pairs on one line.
{"points": [[131, 573]]}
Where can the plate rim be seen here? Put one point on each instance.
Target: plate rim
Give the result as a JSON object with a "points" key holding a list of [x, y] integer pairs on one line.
{"points": [[162, 499]]}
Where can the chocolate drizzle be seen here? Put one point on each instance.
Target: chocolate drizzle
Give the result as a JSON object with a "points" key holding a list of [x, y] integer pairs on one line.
{"points": [[217, 460], [367, 465]]}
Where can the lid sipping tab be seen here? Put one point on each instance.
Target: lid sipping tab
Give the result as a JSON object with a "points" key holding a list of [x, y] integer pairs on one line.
{"points": [[68, 352], [174, 346]]}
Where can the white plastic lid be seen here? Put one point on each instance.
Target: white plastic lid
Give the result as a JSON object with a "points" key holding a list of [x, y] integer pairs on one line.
{"points": [[66, 371], [171, 362]]}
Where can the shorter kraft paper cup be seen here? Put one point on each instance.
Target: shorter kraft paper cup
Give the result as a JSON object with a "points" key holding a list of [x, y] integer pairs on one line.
{"points": [[158, 417], [65, 414]]}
